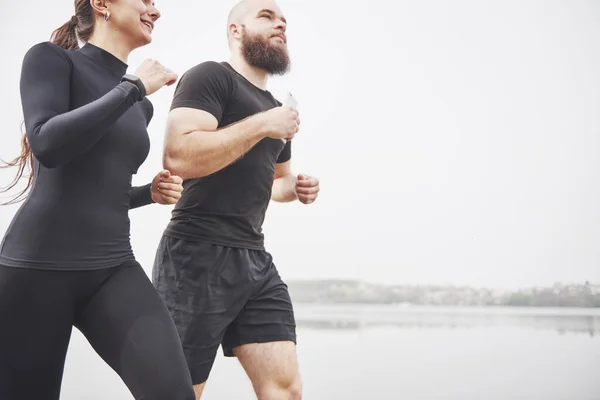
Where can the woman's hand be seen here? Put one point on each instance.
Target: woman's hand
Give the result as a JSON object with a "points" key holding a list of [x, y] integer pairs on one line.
{"points": [[166, 188]]}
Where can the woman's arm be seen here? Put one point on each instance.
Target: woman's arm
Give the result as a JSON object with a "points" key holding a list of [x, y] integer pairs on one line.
{"points": [[56, 134]]}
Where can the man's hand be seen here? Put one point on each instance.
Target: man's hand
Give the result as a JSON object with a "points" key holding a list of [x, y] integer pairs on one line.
{"points": [[307, 188], [280, 122], [166, 188]]}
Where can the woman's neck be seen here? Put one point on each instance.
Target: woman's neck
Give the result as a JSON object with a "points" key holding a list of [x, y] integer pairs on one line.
{"points": [[106, 40]]}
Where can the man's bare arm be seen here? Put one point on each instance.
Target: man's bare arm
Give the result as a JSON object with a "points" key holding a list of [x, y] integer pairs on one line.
{"points": [[194, 147], [284, 183]]}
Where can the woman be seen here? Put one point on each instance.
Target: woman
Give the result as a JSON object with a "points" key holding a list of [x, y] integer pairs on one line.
{"points": [[66, 259]]}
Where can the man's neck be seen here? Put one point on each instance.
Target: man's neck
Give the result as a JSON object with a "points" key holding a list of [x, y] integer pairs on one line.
{"points": [[256, 76], [104, 39]]}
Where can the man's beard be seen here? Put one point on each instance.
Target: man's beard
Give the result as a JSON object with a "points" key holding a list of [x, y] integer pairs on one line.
{"points": [[259, 53]]}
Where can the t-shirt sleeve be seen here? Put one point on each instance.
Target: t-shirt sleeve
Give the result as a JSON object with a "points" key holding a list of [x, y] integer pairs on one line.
{"points": [[286, 153], [206, 87]]}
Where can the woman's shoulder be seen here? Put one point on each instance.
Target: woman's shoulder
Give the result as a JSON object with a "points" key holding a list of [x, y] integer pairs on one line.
{"points": [[46, 51]]}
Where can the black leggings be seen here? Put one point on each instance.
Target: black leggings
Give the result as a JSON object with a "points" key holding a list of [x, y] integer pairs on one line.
{"points": [[118, 311]]}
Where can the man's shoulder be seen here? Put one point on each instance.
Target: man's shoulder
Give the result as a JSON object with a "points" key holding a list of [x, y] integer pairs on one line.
{"points": [[206, 68]]}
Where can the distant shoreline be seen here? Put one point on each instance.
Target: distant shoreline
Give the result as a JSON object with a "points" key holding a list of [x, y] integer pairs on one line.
{"points": [[333, 292], [405, 308]]}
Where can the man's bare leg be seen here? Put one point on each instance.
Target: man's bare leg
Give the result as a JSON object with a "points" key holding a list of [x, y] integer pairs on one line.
{"points": [[272, 368], [198, 389]]}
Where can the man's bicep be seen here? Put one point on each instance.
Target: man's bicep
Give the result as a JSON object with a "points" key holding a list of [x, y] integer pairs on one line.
{"points": [[184, 120], [179, 143]]}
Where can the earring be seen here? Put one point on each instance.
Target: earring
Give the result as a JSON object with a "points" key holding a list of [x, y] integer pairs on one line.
{"points": [[107, 16]]}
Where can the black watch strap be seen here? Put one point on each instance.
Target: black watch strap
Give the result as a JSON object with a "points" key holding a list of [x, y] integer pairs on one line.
{"points": [[138, 83]]}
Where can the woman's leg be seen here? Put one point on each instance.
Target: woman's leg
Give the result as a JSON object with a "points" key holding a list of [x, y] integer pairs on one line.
{"points": [[36, 312], [130, 328]]}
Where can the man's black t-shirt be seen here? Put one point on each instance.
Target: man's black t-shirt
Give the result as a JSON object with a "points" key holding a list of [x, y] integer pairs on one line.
{"points": [[227, 207], [88, 136]]}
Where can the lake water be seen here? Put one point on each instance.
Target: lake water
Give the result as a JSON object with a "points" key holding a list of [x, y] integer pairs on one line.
{"points": [[413, 353]]}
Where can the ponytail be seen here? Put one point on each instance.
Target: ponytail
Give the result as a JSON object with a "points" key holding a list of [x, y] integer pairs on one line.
{"points": [[66, 35]]}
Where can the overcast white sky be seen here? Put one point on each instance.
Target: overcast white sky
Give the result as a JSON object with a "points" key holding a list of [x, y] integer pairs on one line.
{"points": [[457, 142]]}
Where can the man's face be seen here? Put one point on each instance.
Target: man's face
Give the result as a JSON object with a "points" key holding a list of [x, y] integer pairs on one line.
{"points": [[264, 42]]}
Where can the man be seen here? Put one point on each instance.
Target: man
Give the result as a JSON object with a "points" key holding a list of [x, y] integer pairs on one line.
{"points": [[230, 140]]}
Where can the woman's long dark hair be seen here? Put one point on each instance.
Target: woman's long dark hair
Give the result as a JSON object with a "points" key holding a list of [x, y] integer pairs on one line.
{"points": [[80, 26]]}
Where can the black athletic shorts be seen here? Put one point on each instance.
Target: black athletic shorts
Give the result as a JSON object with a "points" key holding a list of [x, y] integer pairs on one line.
{"points": [[220, 295]]}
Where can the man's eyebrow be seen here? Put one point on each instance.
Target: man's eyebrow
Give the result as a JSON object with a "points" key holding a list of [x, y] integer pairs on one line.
{"points": [[272, 13]]}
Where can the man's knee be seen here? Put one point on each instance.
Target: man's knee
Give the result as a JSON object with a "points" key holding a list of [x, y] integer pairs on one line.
{"points": [[283, 389], [295, 390]]}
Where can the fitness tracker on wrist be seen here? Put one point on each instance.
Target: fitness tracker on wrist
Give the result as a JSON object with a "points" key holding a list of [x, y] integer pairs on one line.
{"points": [[137, 82]]}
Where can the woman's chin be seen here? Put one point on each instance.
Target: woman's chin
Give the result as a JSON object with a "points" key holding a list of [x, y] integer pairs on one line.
{"points": [[144, 40], [147, 37]]}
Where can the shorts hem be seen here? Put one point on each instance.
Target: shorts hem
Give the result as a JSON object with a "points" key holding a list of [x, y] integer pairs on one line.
{"points": [[228, 350], [199, 381]]}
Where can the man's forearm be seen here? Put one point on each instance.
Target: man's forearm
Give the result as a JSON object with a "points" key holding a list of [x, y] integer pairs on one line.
{"points": [[201, 153], [284, 189]]}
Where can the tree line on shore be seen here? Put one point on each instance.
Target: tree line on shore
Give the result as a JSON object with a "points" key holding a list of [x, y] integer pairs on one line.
{"points": [[340, 291]]}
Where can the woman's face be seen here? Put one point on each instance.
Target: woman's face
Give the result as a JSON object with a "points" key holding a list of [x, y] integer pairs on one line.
{"points": [[134, 19]]}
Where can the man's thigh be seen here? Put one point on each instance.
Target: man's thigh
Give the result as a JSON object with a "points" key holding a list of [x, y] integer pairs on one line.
{"points": [[272, 367]]}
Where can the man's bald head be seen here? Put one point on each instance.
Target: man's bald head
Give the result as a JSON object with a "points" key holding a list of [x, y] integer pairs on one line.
{"points": [[238, 12], [236, 16], [243, 9]]}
